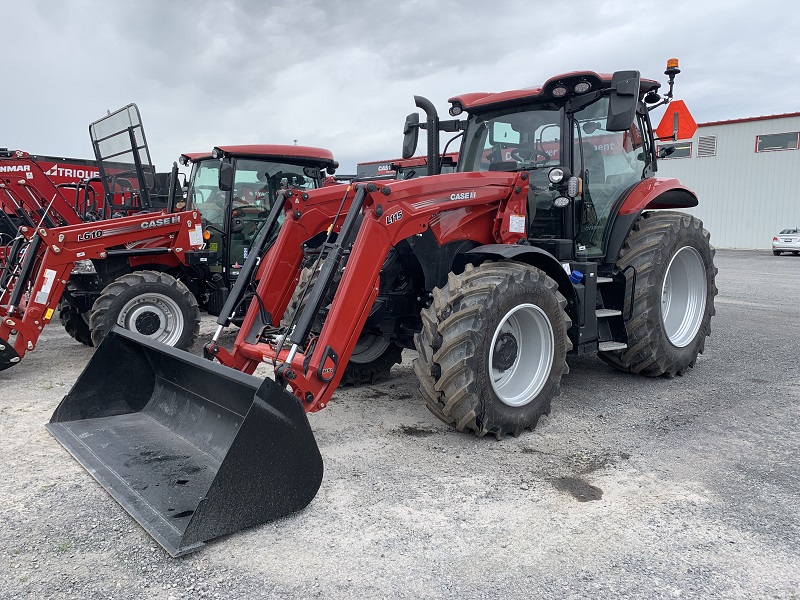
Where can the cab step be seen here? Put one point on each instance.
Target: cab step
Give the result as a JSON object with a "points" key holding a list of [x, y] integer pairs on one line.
{"points": [[604, 280], [611, 346], [607, 312]]}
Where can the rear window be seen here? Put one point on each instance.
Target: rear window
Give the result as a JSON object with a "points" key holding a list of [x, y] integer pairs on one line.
{"points": [[789, 231]]}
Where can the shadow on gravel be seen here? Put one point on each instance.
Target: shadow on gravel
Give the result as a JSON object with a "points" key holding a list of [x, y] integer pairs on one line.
{"points": [[418, 430], [581, 490]]}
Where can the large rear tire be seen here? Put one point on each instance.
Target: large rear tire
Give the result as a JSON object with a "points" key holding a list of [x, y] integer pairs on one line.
{"points": [[674, 295], [74, 323], [491, 352], [151, 303], [372, 358]]}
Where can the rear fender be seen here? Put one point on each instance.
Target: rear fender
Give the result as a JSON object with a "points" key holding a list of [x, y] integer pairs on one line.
{"points": [[657, 192], [536, 257], [649, 194]]}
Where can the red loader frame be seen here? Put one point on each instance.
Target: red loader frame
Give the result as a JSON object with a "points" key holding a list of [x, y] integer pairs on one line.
{"points": [[31, 289], [34, 191]]}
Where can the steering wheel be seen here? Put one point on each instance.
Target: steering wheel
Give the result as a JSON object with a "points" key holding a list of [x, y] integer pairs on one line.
{"points": [[532, 155]]}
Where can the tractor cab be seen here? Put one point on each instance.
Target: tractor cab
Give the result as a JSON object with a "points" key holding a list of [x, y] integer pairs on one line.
{"points": [[234, 188], [585, 140]]}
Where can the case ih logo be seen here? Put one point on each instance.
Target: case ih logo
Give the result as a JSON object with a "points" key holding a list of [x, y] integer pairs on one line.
{"points": [[160, 222], [56, 171], [15, 168], [463, 195]]}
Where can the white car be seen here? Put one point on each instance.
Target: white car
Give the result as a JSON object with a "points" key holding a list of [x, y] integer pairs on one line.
{"points": [[788, 240]]}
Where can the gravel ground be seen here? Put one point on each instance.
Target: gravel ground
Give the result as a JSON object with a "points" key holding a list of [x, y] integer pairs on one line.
{"points": [[633, 487]]}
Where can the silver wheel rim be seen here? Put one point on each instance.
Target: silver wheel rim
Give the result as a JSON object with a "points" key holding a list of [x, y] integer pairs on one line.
{"points": [[154, 315], [369, 348], [521, 380], [683, 296]]}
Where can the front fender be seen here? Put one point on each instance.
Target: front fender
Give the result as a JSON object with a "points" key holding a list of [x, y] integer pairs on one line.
{"points": [[535, 257]]}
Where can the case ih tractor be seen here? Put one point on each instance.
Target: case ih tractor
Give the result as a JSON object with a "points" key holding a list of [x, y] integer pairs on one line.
{"points": [[553, 237], [404, 168], [147, 274]]}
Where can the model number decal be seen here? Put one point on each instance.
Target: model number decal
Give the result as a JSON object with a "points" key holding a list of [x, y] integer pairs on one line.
{"points": [[90, 235], [463, 195], [394, 217]]}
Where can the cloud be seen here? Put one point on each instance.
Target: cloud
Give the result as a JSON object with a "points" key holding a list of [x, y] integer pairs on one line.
{"points": [[343, 74]]}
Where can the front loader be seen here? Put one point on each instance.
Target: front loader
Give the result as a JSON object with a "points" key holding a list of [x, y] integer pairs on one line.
{"points": [[553, 237], [41, 262]]}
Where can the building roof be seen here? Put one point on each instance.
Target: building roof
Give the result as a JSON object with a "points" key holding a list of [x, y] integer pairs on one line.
{"points": [[748, 119]]}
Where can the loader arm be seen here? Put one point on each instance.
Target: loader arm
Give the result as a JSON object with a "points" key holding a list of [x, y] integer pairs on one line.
{"points": [[38, 194], [391, 213], [33, 288], [13, 211], [307, 214]]}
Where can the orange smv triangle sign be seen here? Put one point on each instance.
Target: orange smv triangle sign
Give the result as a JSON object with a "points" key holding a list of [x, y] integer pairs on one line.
{"points": [[676, 118]]}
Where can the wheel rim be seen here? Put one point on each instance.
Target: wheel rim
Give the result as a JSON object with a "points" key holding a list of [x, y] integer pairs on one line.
{"points": [[369, 348], [154, 315], [521, 355], [683, 296]]}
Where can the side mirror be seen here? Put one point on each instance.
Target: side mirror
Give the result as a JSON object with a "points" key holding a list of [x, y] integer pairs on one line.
{"points": [[410, 135], [225, 177], [623, 101]]}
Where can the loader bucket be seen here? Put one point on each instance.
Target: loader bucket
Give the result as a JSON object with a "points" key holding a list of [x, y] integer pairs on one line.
{"points": [[191, 449]]}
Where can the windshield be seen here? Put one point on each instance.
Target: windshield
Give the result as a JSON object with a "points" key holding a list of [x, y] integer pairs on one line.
{"points": [[256, 184], [512, 140]]}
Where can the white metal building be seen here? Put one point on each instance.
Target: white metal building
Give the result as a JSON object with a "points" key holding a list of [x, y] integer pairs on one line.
{"points": [[746, 174]]}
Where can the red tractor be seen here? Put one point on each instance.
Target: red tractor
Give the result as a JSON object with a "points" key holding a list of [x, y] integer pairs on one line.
{"points": [[125, 271], [145, 277], [553, 237], [404, 168]]}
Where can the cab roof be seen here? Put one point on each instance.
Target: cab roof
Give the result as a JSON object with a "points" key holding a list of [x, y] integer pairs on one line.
{"points": [[279, 153], [478, 101]]}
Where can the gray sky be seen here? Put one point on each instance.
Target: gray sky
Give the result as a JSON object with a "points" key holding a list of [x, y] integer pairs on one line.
{"points": [[342, 74]]}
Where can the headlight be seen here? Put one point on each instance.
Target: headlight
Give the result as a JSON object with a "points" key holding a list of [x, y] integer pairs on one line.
{"points": [[83, 267], [456, 109], [561, 202], [559, 91], [582, 87], [556, 175]]}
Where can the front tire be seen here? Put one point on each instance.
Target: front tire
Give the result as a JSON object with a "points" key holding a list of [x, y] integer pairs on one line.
{"points": [[74, 323], [673, 298], [150, 303], [491, 352]]}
